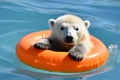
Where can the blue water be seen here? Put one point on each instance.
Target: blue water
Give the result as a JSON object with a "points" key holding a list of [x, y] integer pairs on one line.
{"points": [[20, 17]]}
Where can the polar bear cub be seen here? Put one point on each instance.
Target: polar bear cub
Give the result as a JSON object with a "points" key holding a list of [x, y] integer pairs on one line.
{"points": [[68, 33]]}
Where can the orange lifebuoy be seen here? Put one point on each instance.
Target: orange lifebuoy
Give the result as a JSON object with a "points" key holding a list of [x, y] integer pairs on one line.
{"points": [[59, 61]]}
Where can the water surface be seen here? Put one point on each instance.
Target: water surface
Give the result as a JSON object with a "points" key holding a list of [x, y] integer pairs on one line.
{"points": [[20, 17]]}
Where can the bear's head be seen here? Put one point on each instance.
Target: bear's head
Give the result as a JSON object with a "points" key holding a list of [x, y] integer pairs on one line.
{"points": [[69, 29]]}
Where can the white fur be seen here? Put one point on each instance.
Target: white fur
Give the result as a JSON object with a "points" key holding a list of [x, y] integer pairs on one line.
{"points": [[70, 21], [69, 33]]}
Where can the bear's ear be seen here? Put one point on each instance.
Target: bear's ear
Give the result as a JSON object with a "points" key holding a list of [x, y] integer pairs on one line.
{"points": [[51, 22], [87, 23]]}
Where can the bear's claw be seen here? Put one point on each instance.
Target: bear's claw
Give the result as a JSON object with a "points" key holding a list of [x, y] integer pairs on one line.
{"points": [[76, 56], [41, 46]]}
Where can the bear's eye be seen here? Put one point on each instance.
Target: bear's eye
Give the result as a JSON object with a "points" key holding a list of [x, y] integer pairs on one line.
{"points": [[62, 28], [76, 29]]}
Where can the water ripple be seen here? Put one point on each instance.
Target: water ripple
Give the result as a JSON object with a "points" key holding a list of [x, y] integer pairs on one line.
{"points": [[5, 21], [57, 6], [19, 17], [15, 32]]}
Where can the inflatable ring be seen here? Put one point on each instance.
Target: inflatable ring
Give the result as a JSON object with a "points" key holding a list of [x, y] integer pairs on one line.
{"points": [[59, 61]]}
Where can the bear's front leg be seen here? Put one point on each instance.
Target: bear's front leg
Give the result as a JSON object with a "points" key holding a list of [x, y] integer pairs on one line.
{"points": [[77, 52], [43, 44]]}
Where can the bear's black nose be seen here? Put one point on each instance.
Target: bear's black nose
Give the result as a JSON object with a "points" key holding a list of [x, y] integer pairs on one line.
{"points": [[69, 39]]}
